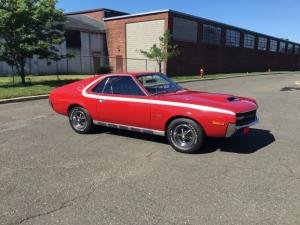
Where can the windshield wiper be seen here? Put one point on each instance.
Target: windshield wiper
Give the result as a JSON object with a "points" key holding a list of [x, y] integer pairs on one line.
{"points": [[175, 91], [160, 92]]}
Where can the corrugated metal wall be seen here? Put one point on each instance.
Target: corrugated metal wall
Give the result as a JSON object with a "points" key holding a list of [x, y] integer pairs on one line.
{"points": [[82, 61]]}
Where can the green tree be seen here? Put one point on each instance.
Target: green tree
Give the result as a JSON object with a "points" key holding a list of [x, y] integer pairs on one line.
{"points": [[163, 52], [28, 28]]}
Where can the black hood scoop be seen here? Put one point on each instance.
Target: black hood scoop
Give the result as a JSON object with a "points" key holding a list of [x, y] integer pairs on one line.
{"points": [[233, 99]]}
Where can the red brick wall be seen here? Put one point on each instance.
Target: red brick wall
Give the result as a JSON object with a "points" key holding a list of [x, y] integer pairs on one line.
{"points": [[98, 15], [116, 35]]}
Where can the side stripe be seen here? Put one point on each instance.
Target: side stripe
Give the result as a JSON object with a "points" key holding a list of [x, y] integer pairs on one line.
{"points": [[154, 102]]}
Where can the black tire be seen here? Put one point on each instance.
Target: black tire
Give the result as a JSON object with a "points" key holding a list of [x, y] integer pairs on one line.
{"points": [[80, 120], [185, 135]]}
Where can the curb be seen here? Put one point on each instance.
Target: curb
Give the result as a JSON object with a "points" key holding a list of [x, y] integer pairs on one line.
{"points": [[23, 99]]}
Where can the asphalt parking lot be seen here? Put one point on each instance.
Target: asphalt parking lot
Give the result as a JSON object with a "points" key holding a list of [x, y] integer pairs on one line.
{"points": [[50, 175]]}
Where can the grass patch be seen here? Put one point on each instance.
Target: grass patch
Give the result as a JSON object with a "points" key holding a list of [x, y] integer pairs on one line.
{"points": [[36, 85]]}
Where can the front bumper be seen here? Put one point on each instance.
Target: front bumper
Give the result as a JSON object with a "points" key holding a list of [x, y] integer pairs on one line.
{"points": [[232, 128]]}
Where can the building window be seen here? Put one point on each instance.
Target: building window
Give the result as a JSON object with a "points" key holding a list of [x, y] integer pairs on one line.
{"points": [[185, 30], [262, 43], [290, 48], [282, 47], [232, 38], [297, 49], [273, 46], [211, 34], [73, 39], [249, 41]]}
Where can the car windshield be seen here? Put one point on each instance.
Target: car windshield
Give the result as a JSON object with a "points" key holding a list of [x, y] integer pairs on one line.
{"points": [[157, 84]]}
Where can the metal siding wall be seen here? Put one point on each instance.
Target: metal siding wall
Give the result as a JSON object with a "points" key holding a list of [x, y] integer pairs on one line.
{"points": [[6, 69], [62, 64], [142, 35], [82, 62], [74, 63], [98, 47], [97, 42], [85, 54]]}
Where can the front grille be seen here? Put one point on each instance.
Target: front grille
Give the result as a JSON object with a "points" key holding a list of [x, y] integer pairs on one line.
{"points": [[245, 118]]}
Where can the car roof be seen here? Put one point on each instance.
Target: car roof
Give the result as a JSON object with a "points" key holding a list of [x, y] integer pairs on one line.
{"points": [[141, 73], [135, 74]]}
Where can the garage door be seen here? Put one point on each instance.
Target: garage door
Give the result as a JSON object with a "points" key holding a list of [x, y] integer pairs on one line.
{"points": [[142, 35]]}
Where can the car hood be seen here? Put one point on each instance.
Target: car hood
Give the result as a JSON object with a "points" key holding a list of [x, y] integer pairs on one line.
{"points": [[232, 103]]}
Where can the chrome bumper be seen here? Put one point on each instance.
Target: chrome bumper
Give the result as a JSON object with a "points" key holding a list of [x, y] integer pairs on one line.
{"points": [[232, 128]]}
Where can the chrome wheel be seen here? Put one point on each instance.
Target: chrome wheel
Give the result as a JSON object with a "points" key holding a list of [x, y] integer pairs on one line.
{"points": [[184, 135], [79, 120]]}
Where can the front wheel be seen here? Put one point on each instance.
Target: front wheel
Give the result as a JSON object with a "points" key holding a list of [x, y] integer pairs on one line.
{"points": [[185, 135], [80, 120]]}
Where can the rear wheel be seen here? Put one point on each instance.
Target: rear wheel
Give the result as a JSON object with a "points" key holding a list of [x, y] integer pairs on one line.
{"points": [[185, 135], [80, 120]]}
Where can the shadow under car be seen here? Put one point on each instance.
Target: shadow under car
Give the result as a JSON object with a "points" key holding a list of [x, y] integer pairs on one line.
{"points": [[254, 141]]}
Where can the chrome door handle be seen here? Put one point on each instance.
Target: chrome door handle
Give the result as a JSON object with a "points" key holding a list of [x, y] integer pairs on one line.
{"points": [[101, 100]]}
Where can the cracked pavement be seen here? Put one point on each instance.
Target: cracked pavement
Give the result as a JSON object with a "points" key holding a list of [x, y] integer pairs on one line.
{"points": [[50, 175]]}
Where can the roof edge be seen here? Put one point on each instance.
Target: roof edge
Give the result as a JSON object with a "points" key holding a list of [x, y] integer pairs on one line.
{"points": [[233, 26], [93, 10], [137, 14]]}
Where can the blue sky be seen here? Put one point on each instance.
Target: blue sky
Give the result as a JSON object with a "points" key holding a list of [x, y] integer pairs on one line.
{"points": [[279, 18]]}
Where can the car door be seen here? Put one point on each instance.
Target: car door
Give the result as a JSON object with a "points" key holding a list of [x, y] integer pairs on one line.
{"points": [[123, 102]]}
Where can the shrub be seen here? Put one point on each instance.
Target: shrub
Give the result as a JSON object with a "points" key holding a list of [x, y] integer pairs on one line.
{"points": [[104, 69]]}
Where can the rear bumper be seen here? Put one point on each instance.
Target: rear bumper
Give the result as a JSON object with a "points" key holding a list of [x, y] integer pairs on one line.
{"points": [[232, 128]]}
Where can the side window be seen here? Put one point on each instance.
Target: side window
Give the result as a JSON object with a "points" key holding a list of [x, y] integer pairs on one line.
{"points": [[99, 88], [119, 85]]}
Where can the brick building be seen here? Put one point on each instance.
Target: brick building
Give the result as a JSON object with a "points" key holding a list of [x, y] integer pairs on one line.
{"points": [[101, 36], [217, 47]]}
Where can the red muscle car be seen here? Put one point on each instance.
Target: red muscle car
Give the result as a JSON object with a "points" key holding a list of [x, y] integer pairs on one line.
{"points": [[152, 103]]}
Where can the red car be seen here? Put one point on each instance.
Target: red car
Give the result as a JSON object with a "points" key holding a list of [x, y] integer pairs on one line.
{"points": [[152, 103]]}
